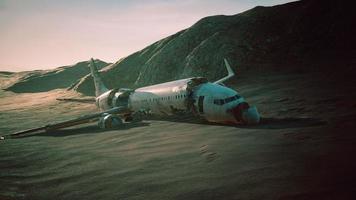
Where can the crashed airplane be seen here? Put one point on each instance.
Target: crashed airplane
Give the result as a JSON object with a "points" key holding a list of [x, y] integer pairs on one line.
{"points": [[212, 101]]}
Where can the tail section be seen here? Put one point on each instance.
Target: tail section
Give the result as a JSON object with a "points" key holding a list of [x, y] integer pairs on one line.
{"points": [[229, 75], [99, 85]]}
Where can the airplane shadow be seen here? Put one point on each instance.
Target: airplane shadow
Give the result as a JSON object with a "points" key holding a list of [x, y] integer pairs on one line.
{"points": [[265, 123], [283, 123], [88, 129]]}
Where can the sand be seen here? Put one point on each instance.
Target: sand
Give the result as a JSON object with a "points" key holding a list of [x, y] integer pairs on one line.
{"points": [[303, 149]]}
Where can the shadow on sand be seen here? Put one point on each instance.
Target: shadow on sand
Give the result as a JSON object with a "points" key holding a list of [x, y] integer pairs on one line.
{"points": [[88, 129], [283, 123], [266, 123]]}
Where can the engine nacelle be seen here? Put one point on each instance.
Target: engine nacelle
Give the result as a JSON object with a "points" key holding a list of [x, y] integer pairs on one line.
{"points": [[104, 101], [113, 98], [109, 121]]}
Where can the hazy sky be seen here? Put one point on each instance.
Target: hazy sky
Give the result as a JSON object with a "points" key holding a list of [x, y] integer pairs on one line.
{"points": [[43, 34]]}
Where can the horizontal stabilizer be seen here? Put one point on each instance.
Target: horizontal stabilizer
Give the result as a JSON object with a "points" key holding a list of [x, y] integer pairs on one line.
{"points": [[229, 71]]}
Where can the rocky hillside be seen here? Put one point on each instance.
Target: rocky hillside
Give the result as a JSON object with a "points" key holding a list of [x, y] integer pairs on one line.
{"points": [[45, 80], [281, 37]]}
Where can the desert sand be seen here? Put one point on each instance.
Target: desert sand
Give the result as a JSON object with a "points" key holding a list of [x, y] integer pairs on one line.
{"points": [[303, 149]]}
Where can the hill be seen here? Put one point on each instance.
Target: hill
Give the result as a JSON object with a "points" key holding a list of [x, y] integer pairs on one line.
{"points": [[45, 80], [298, 36]]}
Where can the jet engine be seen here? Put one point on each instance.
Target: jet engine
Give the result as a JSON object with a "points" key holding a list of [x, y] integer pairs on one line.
{"points": [[109, 121], [113, 98]]}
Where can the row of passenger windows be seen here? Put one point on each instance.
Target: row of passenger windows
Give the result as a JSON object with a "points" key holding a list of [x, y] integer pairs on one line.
{"points": [[165, 98], [226, 100]]}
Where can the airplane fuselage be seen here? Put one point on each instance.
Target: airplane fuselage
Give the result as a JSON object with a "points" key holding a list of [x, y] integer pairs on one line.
{"points": [[214, 102]]}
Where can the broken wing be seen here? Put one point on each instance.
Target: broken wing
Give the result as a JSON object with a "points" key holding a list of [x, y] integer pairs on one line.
{"points": [[80, 120]]}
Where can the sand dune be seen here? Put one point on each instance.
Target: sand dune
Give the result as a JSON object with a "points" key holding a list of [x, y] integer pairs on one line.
{"points": [[46, 80]]}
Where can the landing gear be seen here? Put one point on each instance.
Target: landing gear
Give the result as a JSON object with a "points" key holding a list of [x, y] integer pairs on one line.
{"points": [[128, 118]]}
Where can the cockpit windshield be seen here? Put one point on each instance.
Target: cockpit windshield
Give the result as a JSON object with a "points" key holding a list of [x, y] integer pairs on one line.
{"points": [[226, 100]]}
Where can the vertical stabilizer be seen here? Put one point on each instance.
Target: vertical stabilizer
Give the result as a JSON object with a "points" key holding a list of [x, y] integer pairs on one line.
{"points": [[99, 85]]}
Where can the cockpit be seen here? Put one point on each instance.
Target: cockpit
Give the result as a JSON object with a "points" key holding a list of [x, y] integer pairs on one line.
{"points": [[226, 100]]}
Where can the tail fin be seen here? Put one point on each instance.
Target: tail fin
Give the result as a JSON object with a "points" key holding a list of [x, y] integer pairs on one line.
{"points": [[99, 85], [229, 75]]}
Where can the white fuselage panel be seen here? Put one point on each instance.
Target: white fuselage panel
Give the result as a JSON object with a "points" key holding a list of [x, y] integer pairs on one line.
{"points": [[165, 98]]}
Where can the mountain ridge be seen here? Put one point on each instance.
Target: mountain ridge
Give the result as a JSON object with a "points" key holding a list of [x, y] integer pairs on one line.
{"points": [[45, 80], [283, 37]]}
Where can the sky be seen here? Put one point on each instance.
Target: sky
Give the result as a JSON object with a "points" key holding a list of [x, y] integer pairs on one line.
{"points": [[44, 34]]}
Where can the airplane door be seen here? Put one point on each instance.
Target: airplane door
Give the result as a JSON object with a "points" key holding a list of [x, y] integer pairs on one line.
{"points": [[200, 104]]}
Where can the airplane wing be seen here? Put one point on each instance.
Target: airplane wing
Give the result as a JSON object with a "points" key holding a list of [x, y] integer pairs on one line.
{"points": [[80, 100], [80, 120], [229, 75]]}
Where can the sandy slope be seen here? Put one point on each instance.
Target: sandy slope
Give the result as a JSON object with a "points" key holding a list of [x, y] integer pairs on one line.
{"points": [[9, 78], [303, 149], [46, 80]]}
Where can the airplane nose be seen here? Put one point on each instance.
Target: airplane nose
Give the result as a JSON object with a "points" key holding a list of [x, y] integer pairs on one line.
{"points": [[245, 113], [251, 115]]}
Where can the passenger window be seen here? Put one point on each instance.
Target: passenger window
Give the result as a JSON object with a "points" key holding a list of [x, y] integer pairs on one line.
{"points": [[218, 101]]}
